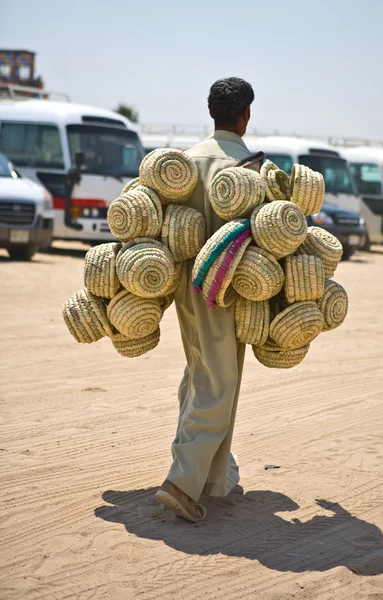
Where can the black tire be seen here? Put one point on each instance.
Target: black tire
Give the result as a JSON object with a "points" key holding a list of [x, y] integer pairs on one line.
{"points": [[25, 252], [367, 245], [347, 253]]}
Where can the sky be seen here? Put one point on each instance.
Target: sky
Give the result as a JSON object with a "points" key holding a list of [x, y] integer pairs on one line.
{"points": [[316, 66]]}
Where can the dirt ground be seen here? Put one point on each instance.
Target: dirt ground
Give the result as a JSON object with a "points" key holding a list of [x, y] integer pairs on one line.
{"points": [[85, 441]]}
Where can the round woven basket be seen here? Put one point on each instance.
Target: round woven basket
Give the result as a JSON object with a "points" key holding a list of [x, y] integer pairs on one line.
{"points": [[216, 287], [134, 215], [252, 321], [134, 317], [146, 268], [100, 276], [325, 246], [297, 325], [279, 227], [307, 189], [85, 316], [333, 305], [214, 246], [276, 182], [235, 192], [274, 357], [183, 232], [258, 276], [171, 173], [304, 278], [134, 348], [131, 185], [166, 302]]}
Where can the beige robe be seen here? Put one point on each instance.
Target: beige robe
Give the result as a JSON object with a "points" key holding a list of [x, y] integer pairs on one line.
{"points": [[208, 394]]}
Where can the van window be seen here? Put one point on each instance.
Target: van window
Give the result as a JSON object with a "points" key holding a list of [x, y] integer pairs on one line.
{"points": [[336, 172], [108, 150], [368, 178], [283, 161], [32, 145]]}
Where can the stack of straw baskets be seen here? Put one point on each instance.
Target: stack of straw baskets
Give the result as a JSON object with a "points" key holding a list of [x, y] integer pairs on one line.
{"points": [[265, 260], [129, 284]]}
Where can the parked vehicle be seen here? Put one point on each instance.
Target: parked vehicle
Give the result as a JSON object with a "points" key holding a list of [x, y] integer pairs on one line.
{"points": [[367, 167], [26, 213], [44, 139]]}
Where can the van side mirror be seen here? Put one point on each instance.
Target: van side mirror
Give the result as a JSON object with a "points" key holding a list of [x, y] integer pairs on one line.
{"points": [[79, 159]]}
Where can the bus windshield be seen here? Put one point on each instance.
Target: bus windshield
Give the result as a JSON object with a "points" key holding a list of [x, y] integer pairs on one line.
{"points": [[336, 172], [107, 150], [368, 178]]}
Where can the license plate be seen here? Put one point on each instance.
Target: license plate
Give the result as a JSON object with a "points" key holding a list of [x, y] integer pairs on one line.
{"points": [[19, 236], [354, 240]]}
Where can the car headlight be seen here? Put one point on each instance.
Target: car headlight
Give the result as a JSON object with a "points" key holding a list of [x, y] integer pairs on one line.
{"points": [[361, 221], [322, 218], [95, 212], [47, 201]]}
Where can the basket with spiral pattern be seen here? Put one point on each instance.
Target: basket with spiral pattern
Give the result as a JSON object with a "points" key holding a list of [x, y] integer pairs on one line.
{"points": [[171, 173], [183, 232], [134, 317], [279, 227], [297, 325], [85, 316], [258, 276], [304, 278], [138, 213], [276, 182], [131, 185], [274, 357], [100, 276], [307, 189], [252, 321], [146, 268], [333, 305], [135, 348], [235, 192], [325, 246]]}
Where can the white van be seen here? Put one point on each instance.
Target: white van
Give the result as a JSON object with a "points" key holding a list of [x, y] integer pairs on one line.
{"points": [[366, 165], [44, 139]]}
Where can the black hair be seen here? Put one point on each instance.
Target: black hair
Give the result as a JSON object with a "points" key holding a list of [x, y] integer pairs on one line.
{"points": [[228, 98]]}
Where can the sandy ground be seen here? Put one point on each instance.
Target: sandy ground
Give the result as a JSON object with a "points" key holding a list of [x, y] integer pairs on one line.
{"points": [[85, 441]]}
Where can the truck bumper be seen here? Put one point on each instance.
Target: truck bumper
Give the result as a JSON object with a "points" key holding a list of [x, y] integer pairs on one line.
{"points": [[39, 234]]}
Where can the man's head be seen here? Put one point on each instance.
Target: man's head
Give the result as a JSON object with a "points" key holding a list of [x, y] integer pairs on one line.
{"points": [[229, 104]]}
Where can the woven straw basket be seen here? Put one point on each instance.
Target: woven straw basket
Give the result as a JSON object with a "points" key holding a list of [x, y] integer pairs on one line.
{"points": [[100, 276], [252, 321], [131, 185], [171, 173], [333, 305], [134, 317], [216, 287], [274, 357], [235, 192], [135, 214], [166, 302], [325, 246], [297, 325], [307, 189], [258, 276], [134, 348], [304, 278], [183, 232], [85, 316], [279, 227], [146, 268], [276, 182]]}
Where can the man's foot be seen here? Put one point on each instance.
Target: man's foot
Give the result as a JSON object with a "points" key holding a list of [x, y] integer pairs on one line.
{"points": [[183, 506]]}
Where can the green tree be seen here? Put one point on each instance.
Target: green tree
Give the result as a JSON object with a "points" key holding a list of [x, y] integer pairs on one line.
{"points": [[129, 112]]}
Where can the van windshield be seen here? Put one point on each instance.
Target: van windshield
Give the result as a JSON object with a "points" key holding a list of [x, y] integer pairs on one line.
{"points": [[336, 172], [108, 150], [368, 178], [32, 145], [5, 168], [283, 161]]}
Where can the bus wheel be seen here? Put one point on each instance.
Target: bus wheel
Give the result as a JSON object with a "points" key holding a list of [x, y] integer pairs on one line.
{"points": [[23, 252]]}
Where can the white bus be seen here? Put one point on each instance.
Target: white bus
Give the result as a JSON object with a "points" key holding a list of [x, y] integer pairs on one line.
{"points": [[44, 139], [367, 167]]}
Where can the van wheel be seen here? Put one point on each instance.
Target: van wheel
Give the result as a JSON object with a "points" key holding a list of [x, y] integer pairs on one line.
{"points": [[23, 252], [347, 253]]}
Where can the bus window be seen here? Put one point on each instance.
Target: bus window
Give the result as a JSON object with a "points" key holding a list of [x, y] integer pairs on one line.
{"points": [[336, 172], [368, 178], [283, 161], [31, 145]]}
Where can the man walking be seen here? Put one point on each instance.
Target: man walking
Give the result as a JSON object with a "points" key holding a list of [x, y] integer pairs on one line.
{"points": [[208, 394]]}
